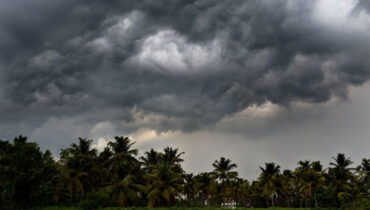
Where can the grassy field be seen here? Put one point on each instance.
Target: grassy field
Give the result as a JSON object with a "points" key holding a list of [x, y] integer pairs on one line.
{"points": [[174, 208]]}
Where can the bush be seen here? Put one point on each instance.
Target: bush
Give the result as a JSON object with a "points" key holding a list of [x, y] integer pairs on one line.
{"points": [[364, 203], [94, 200]]}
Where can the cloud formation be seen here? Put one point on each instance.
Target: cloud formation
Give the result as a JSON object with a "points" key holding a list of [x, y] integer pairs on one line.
{"points": [[173, 64]]}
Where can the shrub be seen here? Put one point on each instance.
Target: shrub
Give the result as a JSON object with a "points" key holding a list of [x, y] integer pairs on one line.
{"points": [[94, 200]]}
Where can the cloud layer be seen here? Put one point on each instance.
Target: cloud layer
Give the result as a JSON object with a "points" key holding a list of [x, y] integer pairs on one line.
{"points": [[172, 64]]}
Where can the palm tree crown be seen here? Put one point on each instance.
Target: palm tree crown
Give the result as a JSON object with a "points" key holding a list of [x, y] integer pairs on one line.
{"points": [[122, 146], [222, 169]]}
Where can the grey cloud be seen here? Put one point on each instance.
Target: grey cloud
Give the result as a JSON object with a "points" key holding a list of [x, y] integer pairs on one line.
{"points": [[362, 5], [63, 59]]}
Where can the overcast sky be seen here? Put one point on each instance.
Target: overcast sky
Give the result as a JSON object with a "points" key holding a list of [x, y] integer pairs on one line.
{"points": [[253, 81]]}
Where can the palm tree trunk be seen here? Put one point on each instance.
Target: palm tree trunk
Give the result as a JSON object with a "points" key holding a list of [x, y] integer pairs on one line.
{"points": [[272, 200], [73, 193], [222, 191], [314, 195]]}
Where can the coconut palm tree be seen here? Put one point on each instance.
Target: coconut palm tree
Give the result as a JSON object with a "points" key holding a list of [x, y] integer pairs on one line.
{"points": [[123, 172], [207, 187], [269, 179], [311, 182], [78, 161], [164, 185], [122, 155], [256, 194], [364, 171], [340, 175], [342, 163], [172, 156], [353, 192], [239, 191], [73, 179], [189, 186], [304, 165], [287, 186], [82, 148], [223, 171], [121, 148], [316, 166], [125, 190], [151, 158]]}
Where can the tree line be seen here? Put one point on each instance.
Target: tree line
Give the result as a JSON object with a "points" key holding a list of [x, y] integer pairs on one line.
{"points": [[116, 176]]}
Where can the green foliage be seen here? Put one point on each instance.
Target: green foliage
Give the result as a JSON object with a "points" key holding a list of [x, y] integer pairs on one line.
{"points": [[94, 200], [177, 208], [25, 174], [116, 178], [364, 203]]}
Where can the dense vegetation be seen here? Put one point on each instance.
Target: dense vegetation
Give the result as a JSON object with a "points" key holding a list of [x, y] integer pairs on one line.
{"points": [[117, 177]]}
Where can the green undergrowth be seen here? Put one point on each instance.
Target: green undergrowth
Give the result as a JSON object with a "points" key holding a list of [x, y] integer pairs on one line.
{"points": [[175, 208]]}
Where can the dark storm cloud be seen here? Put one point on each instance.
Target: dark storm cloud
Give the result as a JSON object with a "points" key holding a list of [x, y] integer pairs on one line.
{"points": [[189, 63], [363, 5]]}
